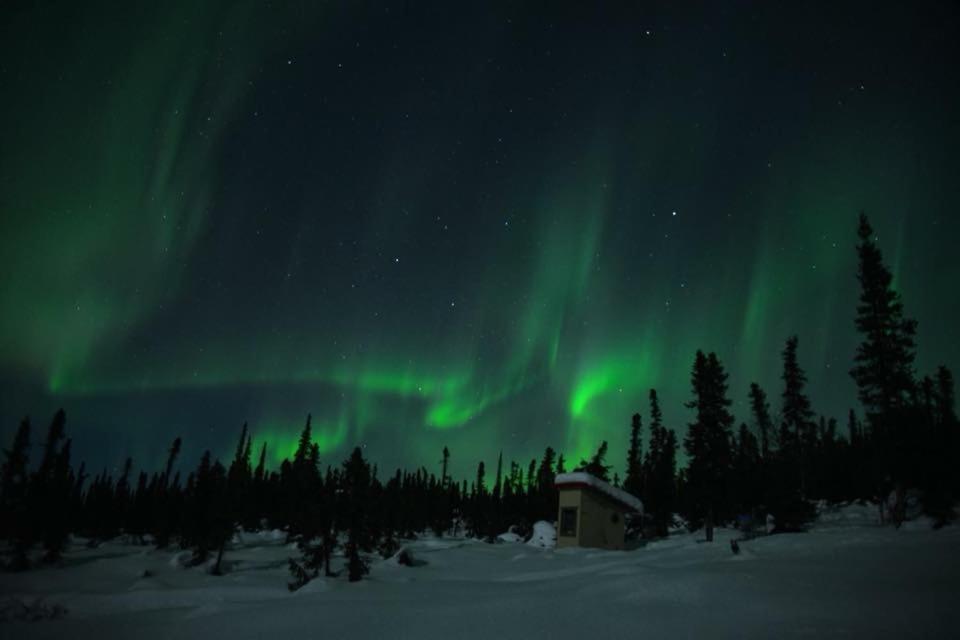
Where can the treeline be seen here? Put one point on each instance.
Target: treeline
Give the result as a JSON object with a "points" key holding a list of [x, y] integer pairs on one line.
{"points": [[778, 462], [346, 507]]}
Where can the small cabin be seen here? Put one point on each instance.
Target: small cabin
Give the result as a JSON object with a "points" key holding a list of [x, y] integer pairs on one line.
{"points": [[592, 512]]}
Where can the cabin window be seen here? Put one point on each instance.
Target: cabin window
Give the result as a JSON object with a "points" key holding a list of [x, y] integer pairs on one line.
{"points": [[568, 521]]}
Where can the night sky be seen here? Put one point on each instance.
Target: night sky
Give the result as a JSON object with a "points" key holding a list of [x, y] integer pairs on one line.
{"points": [[428, 225]]}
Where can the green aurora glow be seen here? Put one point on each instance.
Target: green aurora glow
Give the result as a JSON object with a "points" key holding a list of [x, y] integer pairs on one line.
{"points": [[215, 213]]}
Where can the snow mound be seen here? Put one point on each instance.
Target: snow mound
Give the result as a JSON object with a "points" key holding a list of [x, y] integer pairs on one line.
{"points": [[544, 535], [259, 537], [850, 514], [510, 537]]}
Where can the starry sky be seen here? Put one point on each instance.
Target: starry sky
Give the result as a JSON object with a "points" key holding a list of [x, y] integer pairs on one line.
{"points": [[490, 226]]}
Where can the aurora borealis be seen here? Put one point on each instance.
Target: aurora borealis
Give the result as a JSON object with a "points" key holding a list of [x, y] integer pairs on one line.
{"points": [[491, 228]]}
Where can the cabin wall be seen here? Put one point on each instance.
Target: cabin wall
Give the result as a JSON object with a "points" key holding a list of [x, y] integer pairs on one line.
{"points": [[600, 522], [569, 498]]}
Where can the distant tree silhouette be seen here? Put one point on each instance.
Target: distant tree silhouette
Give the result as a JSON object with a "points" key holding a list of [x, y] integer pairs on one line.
{"points": [[164, 500], [597, 466], [797, 426], [760, 410], [660, 467], [746, 479], [49, 493], [633, 480], [443, 473], [208, 524], [15, 524], [941, 487]]}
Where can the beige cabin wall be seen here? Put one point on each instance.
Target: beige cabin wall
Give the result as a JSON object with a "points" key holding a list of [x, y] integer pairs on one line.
{"points": [[569, 498], [595, 520]]}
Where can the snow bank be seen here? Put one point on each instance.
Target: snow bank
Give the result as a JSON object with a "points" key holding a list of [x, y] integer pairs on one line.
{"points": [[849, 580], [544, 535], [510, 537], [259, 537], [849, 513], [583, 478]]}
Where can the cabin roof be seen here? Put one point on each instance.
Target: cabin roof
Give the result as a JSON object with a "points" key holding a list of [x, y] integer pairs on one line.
{"points": [[581, 479]]}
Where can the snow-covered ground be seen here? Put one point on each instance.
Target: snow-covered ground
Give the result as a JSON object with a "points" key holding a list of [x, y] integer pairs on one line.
{"points": [[847, 577]]}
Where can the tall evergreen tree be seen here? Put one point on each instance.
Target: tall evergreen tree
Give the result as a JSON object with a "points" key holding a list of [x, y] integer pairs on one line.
{"points": [[941, 486], [545, 473], [209, 524], [883, 364], [746, 471], [162, 500], [760, 409], [633, 481], [356, 489], [56, 505], [443, 473], [660, 471], [14, 482], [260, 472], [797, 426], [481, 487], [171, 460], [708, 443], [48, 492]]}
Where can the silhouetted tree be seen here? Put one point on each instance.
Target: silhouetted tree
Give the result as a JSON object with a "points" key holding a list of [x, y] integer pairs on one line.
{"points": [[633, 481], [14, 507], [797, 427], [660, 470], [597, 466], [446, 461], [708, 443], [883, 364], [760, 409]]}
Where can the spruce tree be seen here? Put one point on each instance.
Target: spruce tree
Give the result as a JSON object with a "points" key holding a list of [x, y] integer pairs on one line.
{"points": [[162, 500], [660, 471], [58, 498], [760, 409], [941, 487], [48, 493], [545, 473], [883, 364], [14, 483], [171, 459], [260, 473], [746, 471], [708, 443], [207, 526], [633, 481], [797, 427], [239, 479], [356, 493], [597, 466], [446, 461]]}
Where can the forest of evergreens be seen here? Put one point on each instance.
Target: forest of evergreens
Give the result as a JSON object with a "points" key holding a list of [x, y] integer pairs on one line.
{"points": [[903, 441]]}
